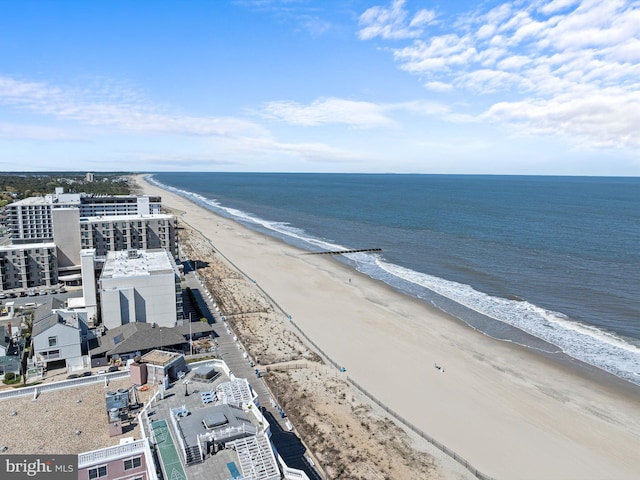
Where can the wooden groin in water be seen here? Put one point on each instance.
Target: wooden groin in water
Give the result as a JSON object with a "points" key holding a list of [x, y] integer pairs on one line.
{"points": [[341, 252]]}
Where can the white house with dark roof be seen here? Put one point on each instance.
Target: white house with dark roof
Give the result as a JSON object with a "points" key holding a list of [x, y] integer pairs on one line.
{"points": [[56, 338]]}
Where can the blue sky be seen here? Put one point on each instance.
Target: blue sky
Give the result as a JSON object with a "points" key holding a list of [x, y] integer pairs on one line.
{"points": [[520, 87]]}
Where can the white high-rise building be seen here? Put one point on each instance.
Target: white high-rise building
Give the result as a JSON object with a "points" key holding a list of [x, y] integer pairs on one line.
{"points": [[72, 222], [140, 286], [28, 265]]}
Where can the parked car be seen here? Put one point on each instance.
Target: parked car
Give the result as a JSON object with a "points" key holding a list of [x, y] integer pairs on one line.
{"points": [[73, 375], [112, 368], [86, 374]]}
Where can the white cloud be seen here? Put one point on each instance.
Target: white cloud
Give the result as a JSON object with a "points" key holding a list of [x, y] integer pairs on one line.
{"points": [[222, 137], [438, 54], [557, 5], [329, 111], [114, 110], [421, 107], [563, 66], [488, 81], [393, 22], [423, 17], [615, 112], [15, 131], [514, 62], [439, 86], [337, 111]]}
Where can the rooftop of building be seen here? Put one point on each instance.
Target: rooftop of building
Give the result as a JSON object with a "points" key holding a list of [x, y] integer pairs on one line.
{"points": [[126, 218], [26, 246], [214, 410], [49, 320], [29, 201], [70, 420], [103, 198], [218, 411], [160, 357], [79, 198], [134, 337], [136, 263]]}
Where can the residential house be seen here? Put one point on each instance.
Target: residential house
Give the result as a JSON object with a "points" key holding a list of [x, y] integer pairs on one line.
{"points": [[57, 340]]}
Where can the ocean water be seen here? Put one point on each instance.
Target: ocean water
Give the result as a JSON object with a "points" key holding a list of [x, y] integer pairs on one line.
{"points": [[552, 263]]}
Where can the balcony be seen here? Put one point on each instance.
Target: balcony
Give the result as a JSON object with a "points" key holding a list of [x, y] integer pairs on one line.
{"points": [[106, 455]]}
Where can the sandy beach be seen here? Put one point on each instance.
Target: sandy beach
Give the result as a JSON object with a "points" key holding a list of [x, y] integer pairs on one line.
{"points": [[510, 412]]}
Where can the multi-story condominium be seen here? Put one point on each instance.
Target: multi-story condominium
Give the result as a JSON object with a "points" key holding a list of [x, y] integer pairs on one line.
{"points": [[108, 205], [73, 222], [129, 232], [37, 219], [140, 286], [28, 266], [30, 221]]}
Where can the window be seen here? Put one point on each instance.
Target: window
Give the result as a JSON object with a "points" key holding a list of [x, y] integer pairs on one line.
{"points": [[97, 472], [53, 341], [132, 463]]}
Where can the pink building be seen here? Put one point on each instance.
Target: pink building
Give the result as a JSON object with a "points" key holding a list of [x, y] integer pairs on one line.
{"points": [[131, 460]]}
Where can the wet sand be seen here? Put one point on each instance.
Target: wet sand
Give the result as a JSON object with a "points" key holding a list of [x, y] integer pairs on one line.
{"points": [[510, 412]]}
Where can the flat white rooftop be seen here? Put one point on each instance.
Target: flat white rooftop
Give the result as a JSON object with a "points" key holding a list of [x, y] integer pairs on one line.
{"points": [[136, 263], [31, 201], [126, 218], [26, 246]]}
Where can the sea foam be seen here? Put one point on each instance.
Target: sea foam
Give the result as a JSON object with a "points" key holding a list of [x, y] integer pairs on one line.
{"points": [[588, 344]]}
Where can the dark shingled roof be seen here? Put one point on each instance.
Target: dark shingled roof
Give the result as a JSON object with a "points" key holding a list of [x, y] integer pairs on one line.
{"points": [[47, 322], [137, 337], [196, 327]]}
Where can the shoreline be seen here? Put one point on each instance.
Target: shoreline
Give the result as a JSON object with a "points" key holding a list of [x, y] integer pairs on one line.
{"points": [[516, 326], [497, 395]]}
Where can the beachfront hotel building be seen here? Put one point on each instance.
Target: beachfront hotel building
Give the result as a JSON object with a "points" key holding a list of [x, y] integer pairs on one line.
{"points": [[72, 222], [140, 286], [28, 266], [36, 219], [129, 232]]}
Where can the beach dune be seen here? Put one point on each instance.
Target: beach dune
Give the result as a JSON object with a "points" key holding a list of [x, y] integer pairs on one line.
{"points": [[511, 412]]}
